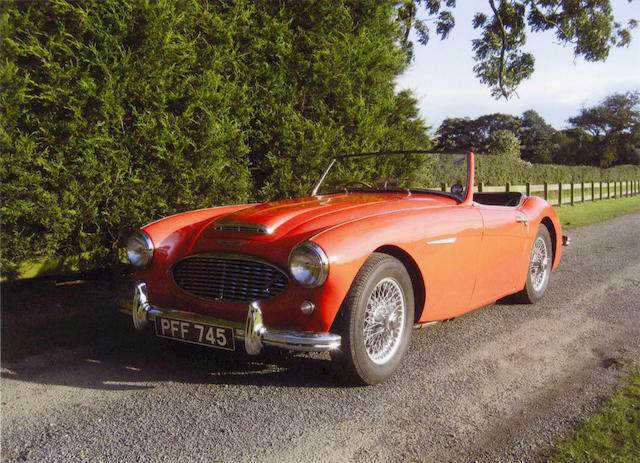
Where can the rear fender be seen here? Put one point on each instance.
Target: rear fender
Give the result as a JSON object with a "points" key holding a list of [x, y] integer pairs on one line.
{"points": [[540, 212]]}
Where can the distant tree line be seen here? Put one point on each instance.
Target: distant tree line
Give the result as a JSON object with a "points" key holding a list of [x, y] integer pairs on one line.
{"points": [[605, 135]]}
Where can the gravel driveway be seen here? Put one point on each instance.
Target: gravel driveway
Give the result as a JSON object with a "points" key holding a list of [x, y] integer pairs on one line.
{"points": [[501, 383]]}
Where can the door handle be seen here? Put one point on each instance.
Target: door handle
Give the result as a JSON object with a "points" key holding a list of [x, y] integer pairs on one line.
{"points": [[522, 220]]}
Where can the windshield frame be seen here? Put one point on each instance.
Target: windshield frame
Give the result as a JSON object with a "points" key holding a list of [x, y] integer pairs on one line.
{"points": [[465, 198]]}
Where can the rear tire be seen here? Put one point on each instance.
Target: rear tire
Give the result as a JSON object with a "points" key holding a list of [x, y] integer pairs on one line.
{"points": [[375, 321], [539, 268]]}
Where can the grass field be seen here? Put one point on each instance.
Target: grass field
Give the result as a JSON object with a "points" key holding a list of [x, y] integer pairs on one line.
{"points": [[596, 211], [613, 435]]}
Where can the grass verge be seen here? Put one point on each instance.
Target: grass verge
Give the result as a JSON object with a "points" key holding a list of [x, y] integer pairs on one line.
{"points": [[613, 435], [596, 211]]}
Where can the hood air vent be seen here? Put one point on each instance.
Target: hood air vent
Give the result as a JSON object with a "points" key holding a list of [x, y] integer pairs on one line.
{"points": [[243, 227]]}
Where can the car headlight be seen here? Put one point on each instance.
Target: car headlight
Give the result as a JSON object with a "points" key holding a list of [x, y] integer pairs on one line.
{"points": [[308, 264], [140, 250]]}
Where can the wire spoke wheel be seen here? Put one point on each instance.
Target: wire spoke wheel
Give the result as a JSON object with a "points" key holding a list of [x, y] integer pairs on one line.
{"points": [[375, 321], [539, 265], [384, 321]]}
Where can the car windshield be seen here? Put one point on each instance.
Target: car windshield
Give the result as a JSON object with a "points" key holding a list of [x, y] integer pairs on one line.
{"points": [[397, 171]]}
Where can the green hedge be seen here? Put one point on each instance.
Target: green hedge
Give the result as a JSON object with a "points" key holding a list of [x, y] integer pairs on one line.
{"points": [[117, 113], [498, 170]]}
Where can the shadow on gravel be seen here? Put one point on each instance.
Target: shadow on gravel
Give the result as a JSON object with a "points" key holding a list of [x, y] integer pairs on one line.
{"points": [[138, 361], [70, 333], [42, 315]]}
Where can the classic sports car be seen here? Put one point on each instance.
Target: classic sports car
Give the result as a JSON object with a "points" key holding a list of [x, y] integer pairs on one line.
{"points": [[348, 269]]}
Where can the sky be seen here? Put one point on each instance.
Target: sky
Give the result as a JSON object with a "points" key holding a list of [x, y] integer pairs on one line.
{"points": [[442, 77]]}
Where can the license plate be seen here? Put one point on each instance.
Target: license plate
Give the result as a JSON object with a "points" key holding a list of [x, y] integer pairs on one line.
{"points": [[203, 334]]}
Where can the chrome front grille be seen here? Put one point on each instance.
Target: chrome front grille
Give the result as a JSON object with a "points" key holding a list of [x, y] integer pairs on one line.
{"points": [[229, 277]]}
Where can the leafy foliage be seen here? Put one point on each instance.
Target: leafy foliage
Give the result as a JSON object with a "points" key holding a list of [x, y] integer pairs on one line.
{"points": [[474, 134], [506, 143], [614, 126], [117, 113], [537, 138], [501, 62]]}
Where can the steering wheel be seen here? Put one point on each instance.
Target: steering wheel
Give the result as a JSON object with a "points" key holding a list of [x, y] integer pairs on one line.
{"points": [[356, 182], [457, 189]]}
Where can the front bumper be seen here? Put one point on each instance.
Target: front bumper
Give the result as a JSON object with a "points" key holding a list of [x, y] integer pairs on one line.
{"points": [[254, 334]]}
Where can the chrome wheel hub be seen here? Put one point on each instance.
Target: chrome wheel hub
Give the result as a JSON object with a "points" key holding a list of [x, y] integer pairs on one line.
{"points": [[539, 266], [384, 321]]}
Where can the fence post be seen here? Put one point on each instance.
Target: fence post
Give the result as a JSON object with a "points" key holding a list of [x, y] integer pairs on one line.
{"points": [[582, 191], [608, 189], [600, 190], [444, 186], [546, 191], [593, 190], [507, 187], [528, 188], [480, 187], [559, 193], [572, 202]]}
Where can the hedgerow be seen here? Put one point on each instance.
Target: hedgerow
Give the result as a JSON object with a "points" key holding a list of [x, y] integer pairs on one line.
{"points": [[117, 113], [500, 169]]}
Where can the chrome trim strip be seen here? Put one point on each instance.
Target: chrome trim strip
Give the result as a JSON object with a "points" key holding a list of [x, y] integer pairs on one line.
{"points": [[258, 335], [443, 241]]}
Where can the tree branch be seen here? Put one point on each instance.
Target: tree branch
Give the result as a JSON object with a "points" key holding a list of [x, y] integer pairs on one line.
{"points": [[549, 21], [502, 49]]}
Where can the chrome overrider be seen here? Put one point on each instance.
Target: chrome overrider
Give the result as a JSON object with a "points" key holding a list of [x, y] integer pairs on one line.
{"points": [[254, 334]]}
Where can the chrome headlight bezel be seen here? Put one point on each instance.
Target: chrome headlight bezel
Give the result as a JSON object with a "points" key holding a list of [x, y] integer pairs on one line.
{"points": [[140, 250], [308, 264]]}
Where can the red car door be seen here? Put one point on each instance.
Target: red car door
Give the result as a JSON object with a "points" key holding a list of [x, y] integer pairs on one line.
{"points": [[501, 253]]}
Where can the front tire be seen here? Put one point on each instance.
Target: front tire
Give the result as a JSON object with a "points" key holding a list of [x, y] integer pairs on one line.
{"points": [[375, 321], [539, 267]]}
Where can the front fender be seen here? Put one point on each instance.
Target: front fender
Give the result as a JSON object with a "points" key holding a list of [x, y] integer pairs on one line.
{"points": [[349, 245]]}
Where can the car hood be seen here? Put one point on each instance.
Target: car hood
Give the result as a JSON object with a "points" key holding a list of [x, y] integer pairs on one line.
{"points": [[305, 216]]}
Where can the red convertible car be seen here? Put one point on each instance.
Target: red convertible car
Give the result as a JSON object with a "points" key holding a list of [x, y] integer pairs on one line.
{"points": [[348, 269]]}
